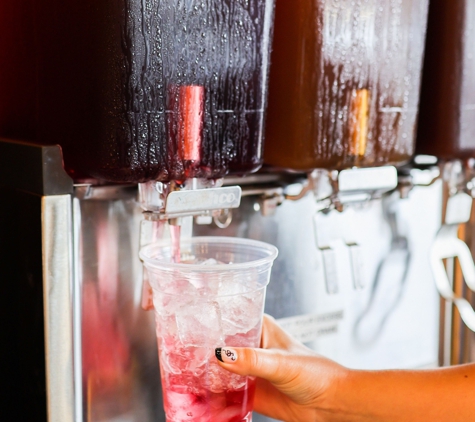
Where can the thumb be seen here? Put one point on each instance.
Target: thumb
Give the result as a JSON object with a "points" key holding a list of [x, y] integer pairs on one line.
{"points": [[270, 365]]}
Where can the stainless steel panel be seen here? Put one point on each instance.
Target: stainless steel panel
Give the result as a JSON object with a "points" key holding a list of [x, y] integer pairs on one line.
{"points": [[120, 376], [385, 313], [57, 278]]}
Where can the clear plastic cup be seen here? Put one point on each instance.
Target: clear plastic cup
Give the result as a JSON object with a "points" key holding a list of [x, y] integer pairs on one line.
{"points": [[213, 297]]}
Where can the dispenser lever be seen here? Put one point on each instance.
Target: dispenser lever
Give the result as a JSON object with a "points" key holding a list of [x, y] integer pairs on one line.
{"points": [[195, 201]]}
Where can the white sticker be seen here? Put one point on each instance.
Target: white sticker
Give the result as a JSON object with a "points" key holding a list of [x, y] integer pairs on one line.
{"points": [[307, 328]]}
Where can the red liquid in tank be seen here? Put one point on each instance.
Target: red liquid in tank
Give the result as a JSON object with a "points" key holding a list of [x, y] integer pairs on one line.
{"points": [[95, 78]]}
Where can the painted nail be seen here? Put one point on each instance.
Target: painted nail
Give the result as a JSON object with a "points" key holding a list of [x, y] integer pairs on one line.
{"points": [[226, 355]]}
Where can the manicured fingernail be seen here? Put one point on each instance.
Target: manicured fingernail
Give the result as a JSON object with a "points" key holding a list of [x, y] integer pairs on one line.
{"points": [[226, 355]]}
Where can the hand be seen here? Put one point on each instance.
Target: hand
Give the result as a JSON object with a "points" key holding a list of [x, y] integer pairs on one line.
{"points": [[294, 383]]}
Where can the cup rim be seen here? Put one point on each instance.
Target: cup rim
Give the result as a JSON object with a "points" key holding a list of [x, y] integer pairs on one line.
{"points": [[271, 250]]}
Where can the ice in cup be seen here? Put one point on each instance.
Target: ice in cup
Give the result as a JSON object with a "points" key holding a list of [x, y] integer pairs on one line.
{"points": [[213, 297]]}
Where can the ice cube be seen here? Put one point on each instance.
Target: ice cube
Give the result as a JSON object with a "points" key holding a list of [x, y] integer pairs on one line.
{"points": [[167, 305], [185, 360], [249, 339], [184, 406], [231, 413], [218, 379], [165, 328], [198, 281], [196, 261], [241, 313], [199, 324], [210, 261], [229, 286]]}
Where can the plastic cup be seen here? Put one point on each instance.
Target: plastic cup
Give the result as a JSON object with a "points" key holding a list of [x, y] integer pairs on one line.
{"points": [[213, 298]]}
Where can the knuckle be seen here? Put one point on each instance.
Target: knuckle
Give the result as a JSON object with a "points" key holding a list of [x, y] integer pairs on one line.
{"points": [[254, 360]]}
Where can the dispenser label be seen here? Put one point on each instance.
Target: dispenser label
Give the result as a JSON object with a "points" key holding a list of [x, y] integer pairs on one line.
{"points": [[309, 327], [203, 200]]}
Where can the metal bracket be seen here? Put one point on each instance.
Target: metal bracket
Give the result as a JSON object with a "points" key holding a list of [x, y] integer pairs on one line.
{"points": [[335, 190], [447, 245]]}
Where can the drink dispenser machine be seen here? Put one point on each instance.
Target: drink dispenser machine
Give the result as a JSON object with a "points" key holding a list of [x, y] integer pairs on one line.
{"points": [[446, 130], [169, 94], [158, 108]]}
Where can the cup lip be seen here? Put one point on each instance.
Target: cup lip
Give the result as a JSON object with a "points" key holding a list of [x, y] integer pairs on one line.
{"points": [[269, 259]]}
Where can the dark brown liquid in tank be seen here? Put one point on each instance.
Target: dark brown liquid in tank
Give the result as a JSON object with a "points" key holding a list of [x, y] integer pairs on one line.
{"points": [[447, 113], [17, 70], [113, 82], [344, 83]]}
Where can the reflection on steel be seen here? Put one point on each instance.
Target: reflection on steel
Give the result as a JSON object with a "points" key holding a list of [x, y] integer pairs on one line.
{"points": [[77, 311], [120, 375], [382, 297], [57, 277], [356, 265], [330, 268]]}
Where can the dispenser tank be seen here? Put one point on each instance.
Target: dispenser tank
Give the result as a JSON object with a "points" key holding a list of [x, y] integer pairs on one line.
{"points": [[344, 83], [138, 90], [447, 115]]}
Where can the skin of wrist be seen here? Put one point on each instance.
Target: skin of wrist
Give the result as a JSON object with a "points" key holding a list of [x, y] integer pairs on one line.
{"points": [[334, 403]]}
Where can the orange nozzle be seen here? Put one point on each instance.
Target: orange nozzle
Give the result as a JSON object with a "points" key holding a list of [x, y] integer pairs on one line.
{"points": [[359, 122]]}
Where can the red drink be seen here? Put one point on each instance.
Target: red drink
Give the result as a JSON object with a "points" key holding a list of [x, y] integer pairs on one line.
{"points": [[195, 388], [214, 297], [184, 404]]}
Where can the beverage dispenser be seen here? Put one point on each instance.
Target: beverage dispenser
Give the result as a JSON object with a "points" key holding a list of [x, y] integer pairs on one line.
{"points": [[158, 108], [446, 130], [166, 94]]}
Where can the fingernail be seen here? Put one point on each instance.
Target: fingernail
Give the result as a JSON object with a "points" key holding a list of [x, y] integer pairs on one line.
{"points": [[226, 355]]}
